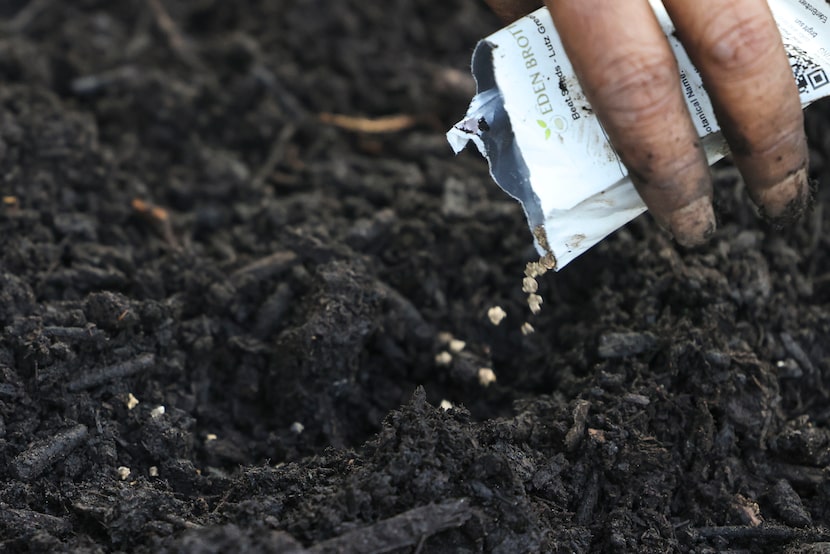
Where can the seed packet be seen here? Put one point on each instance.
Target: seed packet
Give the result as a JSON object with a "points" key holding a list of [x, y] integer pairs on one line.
{"points": [[547, 149]]}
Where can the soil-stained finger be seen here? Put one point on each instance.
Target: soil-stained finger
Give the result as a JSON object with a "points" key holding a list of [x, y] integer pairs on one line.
{"points": [[511, 10], [737, 48], [630, 76]]}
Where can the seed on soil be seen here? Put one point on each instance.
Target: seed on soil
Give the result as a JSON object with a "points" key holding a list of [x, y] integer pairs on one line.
{"points": [[157, 412], [132, 401], [153, 471], [297, 428], [443, 358], [123, 472], [446, 405], [456, 346], [42, 454], [210, 437], [535, 303], [445, 337], [486, 376], [496, 314], [527, 329]]}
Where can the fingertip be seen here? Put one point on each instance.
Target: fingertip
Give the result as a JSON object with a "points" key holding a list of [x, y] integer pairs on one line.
{"points": [[786, 201], [694, 223]]}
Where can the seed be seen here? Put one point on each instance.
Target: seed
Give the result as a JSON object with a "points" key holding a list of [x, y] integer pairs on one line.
{"points": [[457, 346], [535, 303], [529, 285], [496, 314], [132, 401], [444, 358], [486, 376]]}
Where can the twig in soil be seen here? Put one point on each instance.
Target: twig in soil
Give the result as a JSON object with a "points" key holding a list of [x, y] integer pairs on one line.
{"points": [[400, 531], [77, 334], [16, 518], [797, 352], [265, 268], [39, 456], [175, 38], [577, 430], [181, 522], [590, 495], [388, 124], [806, 476], [158, 217], [111, 373], [276, 154], [21, 21], [762, 533]]}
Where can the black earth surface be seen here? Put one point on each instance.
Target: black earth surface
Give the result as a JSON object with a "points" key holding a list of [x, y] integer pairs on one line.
{"points": [[241, 272]]}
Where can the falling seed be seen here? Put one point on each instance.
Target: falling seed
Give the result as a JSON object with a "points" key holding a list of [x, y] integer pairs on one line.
{"points": [[535, 303], [443, 358], [123, 472], [132, 401], [446, 405], [486, 376], [529, 285], [527, 329], [444, 337], [154, 471], [297, 428], [534, 269], [210, 437], [457, 346], [158, 411], [496, 314]]}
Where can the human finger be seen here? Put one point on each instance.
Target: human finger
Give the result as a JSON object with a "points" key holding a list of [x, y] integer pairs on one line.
{"points": [[630, 76], [511, 10], [737, 48]]}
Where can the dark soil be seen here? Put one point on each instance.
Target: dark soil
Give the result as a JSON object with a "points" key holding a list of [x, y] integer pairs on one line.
{"points": [[179, 226]]}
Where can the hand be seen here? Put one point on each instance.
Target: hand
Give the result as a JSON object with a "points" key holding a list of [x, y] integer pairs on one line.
{"points": [[628, 72]]}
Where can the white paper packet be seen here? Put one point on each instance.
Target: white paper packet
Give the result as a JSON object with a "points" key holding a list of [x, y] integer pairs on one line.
{"points": [[547, 149]]}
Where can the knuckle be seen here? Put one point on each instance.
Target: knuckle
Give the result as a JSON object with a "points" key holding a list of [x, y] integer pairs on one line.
{"points": [[637, 90], [741, 44]]}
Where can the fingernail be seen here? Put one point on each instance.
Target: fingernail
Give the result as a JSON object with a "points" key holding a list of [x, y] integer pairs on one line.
{"points": [[785, 201], [694, 223]]}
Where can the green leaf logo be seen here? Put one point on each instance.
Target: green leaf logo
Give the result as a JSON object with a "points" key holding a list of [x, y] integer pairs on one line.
{"points": [[544, 126]]}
